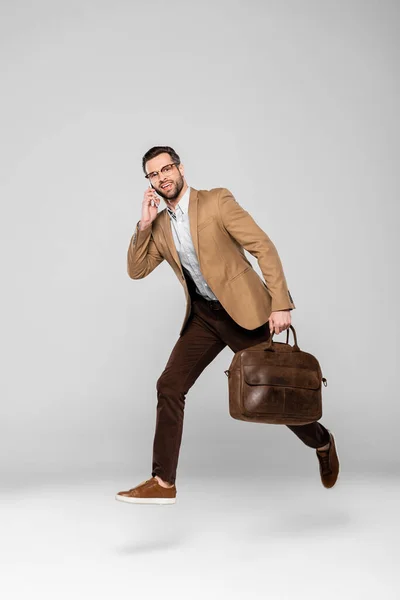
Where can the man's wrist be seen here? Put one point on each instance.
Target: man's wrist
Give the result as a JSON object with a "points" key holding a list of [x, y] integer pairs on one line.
{"points": [[143, 226]]}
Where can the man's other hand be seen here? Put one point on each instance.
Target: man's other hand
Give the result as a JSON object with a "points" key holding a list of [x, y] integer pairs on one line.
{"points": [[279, 320]]}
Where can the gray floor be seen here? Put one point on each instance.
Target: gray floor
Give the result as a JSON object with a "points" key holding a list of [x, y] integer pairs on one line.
{"points": [[277, 538]]}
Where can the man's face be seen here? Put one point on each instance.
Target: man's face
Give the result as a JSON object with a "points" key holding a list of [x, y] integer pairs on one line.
{"points": [[174, 177]]}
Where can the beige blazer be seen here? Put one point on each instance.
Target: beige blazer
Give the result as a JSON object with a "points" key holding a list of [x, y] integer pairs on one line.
{"points": [[221, 229]]}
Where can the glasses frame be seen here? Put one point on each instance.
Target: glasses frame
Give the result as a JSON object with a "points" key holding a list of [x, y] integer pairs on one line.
{"points": [[157, 173]]}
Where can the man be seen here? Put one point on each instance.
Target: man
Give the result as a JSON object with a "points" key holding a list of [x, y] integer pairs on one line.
{"points": [[202, 234]]}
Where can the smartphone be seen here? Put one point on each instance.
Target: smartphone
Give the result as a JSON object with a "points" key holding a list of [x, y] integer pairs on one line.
{"points": [[152, 202]]}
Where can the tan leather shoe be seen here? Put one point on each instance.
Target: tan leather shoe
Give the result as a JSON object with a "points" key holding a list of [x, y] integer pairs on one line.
{"points": [[149, 492], [328, 464]]}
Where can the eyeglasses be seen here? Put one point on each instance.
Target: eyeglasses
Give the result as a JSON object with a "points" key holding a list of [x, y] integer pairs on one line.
{"points": [[165, 170]]}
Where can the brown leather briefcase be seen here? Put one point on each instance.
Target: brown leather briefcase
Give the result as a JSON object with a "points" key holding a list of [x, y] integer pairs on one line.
{"points": [[274, 382]]}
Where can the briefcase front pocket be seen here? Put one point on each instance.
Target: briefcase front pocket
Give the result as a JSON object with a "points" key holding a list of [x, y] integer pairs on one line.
{"points": [[281, 393]]}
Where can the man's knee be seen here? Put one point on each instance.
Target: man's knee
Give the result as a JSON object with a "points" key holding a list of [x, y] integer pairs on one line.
{"points": [[161, 383], [170, 387]]}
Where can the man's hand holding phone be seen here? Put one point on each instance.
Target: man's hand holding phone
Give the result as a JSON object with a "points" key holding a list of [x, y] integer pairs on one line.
{"points": [[150, 206]]}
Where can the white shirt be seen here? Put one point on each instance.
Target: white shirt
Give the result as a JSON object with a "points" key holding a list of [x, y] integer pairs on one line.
{"points": [[184, 245]]}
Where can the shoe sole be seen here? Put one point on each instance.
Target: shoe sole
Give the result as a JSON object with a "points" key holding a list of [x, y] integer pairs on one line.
{"points": [[145, 500]]}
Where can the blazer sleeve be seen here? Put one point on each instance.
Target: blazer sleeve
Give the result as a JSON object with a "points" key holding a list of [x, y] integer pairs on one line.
{"points": [[143, 255], [242, 227]]}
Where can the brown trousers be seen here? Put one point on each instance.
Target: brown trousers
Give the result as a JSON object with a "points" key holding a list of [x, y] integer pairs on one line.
{"points": [[207, 332]]}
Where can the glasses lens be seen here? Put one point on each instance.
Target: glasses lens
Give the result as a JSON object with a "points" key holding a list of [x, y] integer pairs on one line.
{"points": [[167, 169]]}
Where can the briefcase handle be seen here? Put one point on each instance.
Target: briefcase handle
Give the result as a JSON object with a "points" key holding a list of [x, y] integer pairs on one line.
{"points": [[295, 348]]}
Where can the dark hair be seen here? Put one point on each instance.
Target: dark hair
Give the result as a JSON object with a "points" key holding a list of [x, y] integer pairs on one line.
{"points": [[155, 151]]}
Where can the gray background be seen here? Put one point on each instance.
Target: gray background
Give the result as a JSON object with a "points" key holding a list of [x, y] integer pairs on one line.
{"points": [[293, 106]]}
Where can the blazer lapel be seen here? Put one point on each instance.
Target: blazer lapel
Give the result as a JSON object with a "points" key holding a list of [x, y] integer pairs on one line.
{"points": [[166, 227], [192, 212], [167, 230]]}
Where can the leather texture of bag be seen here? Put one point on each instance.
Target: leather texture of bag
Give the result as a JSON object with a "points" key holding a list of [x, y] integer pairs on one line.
{"points": [[274, 382]]}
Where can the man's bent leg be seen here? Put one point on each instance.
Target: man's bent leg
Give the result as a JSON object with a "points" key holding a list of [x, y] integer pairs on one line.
{"points": [[195, 349], [313, 434]]}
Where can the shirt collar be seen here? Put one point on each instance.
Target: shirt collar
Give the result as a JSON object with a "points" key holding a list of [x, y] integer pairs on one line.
{"points": [[183, 204]]}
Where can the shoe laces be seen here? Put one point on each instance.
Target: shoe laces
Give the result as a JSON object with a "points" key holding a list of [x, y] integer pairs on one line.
{"points": [[323, 456], [140, 484]]}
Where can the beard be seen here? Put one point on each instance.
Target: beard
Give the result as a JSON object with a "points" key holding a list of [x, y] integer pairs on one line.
{"points": [[172, 193]]}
